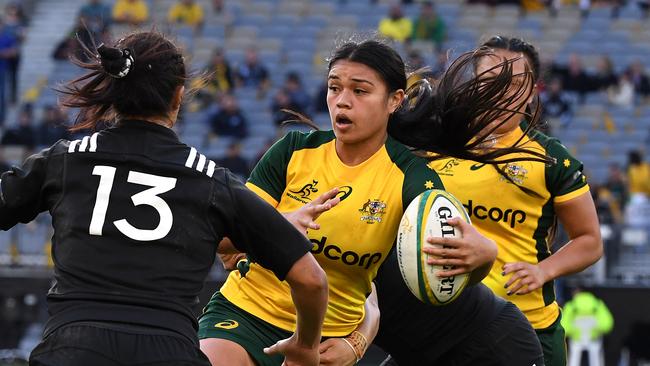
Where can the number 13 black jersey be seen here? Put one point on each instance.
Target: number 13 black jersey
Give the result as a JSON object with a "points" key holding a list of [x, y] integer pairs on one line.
{"points": [[137, 217]]}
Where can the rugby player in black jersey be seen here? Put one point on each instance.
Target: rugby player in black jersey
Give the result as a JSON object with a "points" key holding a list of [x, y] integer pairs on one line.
{"points": [[137, 219]]}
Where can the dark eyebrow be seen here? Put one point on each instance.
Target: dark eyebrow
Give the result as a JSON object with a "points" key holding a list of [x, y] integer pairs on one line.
{"points": [[362, 81], [356, 80]]}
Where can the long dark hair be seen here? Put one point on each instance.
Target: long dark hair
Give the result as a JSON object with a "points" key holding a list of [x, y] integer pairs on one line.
{"points": [[449, 116], [136, 76]]}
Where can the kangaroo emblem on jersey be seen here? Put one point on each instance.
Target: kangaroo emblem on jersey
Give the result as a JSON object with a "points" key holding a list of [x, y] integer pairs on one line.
{"points": [[448, 168], [307, 189], [372, 211], [516, 173], [302, 194]]}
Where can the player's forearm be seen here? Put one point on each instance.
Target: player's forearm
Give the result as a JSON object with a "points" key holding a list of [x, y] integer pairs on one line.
{"points": [[309, 292], [370, 325], [576, 255]]}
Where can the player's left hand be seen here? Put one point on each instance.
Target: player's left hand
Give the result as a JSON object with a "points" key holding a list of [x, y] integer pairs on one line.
{"points": [[305, 217], [335, 352], [230, 261], [465, 254], [526, 277]]}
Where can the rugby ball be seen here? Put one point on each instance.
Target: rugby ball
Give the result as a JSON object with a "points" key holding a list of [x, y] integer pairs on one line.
{"points": [[426, 217]]}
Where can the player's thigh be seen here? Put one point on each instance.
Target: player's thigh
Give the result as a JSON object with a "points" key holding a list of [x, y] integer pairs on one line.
{"points": [[553, 340], [235, 332], [223, 352]]}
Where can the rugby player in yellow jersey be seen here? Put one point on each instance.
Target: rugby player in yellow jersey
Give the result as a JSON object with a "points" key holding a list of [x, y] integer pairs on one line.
{"points": [[517, 205], [377, 178]]}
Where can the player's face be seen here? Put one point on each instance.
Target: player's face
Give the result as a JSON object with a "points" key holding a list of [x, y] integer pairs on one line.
{"points": [[359, 103], [490, 66]]}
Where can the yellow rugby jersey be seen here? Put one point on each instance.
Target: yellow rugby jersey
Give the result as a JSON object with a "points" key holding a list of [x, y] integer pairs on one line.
{"points": [[355, 236], [517, 214]]}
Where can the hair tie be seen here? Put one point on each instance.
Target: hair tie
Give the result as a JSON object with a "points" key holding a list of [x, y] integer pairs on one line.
{"points": [[116, 62]]}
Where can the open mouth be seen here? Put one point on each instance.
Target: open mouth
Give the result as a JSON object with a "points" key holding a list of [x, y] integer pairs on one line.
{"points": [[342, 119]]}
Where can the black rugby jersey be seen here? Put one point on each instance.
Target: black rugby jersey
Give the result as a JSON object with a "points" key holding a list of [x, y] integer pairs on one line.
{"points": [[137, 218], [415, 333]]}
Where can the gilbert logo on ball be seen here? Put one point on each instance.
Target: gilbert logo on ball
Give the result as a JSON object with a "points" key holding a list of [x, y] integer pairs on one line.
{"points": [[426, 216]]}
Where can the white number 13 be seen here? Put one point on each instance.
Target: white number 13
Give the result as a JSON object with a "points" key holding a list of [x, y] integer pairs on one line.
{"points": [[147, 197]]}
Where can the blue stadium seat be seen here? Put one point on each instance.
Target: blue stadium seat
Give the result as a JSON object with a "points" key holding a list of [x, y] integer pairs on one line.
{"points": [[280, 31], [255, 20], [31, 239], [286, 19], [214, 31], [6, 240], [316, 20]]}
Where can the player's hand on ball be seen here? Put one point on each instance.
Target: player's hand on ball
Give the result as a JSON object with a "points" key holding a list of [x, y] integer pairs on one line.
{"points": [[304, 218], [526, 277], [465, 254], [335, 352], [294, 353]]}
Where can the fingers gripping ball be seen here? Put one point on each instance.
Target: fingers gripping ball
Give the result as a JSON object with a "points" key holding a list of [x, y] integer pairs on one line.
{"points": [[426, 217]]}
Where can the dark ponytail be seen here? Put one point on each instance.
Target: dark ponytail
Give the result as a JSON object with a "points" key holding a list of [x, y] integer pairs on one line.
{"points": [[450, 116], [137, 76]]}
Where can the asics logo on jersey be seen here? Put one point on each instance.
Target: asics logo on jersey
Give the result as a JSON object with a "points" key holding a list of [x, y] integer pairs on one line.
{"points": [[344, 192], [476, 166], [227, 324], [496, 214], [350, 258]]}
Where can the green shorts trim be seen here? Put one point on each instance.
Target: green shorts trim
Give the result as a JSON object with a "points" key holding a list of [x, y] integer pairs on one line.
{"points": [[553, 342], [222, 319]]}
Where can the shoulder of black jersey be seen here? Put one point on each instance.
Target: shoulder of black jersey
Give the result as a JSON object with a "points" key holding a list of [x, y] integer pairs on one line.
{"points": [[199, 162]]}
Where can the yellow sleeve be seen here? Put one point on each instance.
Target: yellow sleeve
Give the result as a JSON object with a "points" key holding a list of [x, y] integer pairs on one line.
{"points": [[383, 27], [571, 195], [174, 13], [198, 14], [408, 29], [262, 193], [118, 9], [142, 12]]}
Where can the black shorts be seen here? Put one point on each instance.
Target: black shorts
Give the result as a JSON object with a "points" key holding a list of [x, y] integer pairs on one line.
{"points": [[508, 340], [112, 344]]}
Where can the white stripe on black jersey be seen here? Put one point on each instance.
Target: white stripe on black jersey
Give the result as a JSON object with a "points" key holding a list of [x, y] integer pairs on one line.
{"points": [[201, 163], [73, 145], [190, 158], [84, 144], [93, 142], [211, 166]]}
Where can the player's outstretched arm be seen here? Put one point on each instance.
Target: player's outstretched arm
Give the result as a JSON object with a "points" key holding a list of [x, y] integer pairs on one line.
{"points": [[305, 217], [347, 351], [585, 247], [309, 292], [473, 252]]}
